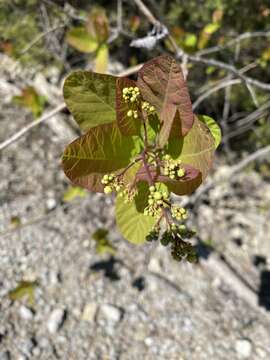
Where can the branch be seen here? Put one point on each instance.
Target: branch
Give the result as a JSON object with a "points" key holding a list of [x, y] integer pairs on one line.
{"points": [[50, 114], [244, 36], [33, 124], [219, 86], [180, 54], [261, 153], [39, 37]]}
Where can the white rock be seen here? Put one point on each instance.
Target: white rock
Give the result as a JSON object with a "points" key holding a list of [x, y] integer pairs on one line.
{"points": [[55, 320], [89, 312], [51, 204], [243, 348], [154, 265], [110, 313], [26, 313]]}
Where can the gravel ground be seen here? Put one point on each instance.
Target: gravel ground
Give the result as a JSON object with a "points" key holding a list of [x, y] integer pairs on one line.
{"points": [[89, 306]]}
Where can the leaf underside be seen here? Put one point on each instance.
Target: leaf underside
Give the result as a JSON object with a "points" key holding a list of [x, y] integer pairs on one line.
{"points": [[183, 186], [196, 148], [162, 84]]}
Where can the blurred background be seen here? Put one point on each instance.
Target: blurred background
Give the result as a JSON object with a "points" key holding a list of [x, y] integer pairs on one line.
{"points": [[70, 286]]}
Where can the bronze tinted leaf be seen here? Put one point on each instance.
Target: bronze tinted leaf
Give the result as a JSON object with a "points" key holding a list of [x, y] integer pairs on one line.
{"points": [[101, 150], [184, 186], [162, 84]]}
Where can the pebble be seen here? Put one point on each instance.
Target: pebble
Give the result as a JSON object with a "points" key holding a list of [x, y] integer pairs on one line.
{"points": [[51, 204], [4, 355], [27, 346], [243, 348], [110, 313], [26, 313], [55, 321], [89, 312]]}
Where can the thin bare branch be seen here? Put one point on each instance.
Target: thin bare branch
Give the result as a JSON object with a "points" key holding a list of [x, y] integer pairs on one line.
{"points": [[244, 36], [31, 125], [212, 90], [199, 59], [39, 37]]}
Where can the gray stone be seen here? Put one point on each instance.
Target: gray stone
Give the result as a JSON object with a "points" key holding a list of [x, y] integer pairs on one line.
{"points": [[4, 355], [26, 313], [55, 320]]}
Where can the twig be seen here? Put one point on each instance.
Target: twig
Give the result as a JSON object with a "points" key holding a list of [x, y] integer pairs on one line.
{"points": [[222, 85], [245, 123], [147, 13], [198, 59], [244, 36], [263, 152], [39, 37], [250, 158], [33, 124], [221, 269], [225, 116], [50, 114]]}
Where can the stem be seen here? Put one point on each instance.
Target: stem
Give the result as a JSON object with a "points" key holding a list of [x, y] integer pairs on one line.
{"points": [[145, 164], [130, 165]]}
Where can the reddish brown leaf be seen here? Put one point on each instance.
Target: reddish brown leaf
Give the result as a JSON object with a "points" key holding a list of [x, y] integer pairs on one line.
{"points": [[100, 151], [162, 84], [184, 186], [127, 125]]}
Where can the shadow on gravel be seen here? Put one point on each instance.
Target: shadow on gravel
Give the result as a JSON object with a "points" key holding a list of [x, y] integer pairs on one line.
{"points": [[264, 290], [108, 268]]}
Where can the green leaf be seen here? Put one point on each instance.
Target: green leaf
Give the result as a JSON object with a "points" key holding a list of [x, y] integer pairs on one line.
{"points": [[152, 128], [24, 288], [127, 124], [196, 148], [90, 97], [206, 34], [190, 40], [74, 192], [102, 59], [213, 127], [81, 40], [98, 24], [103, 245], [162, 84], [132, 223], [30, 99], [100, 151]]}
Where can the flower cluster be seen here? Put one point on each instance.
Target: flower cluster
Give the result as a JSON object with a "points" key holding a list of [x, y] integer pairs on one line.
{"points": [[153, 235], [132, 113], [131, 94], [172, 168], [112, 183], [180, 249], [178, 212], [128, 194], [156, 201], [149, 109]]}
